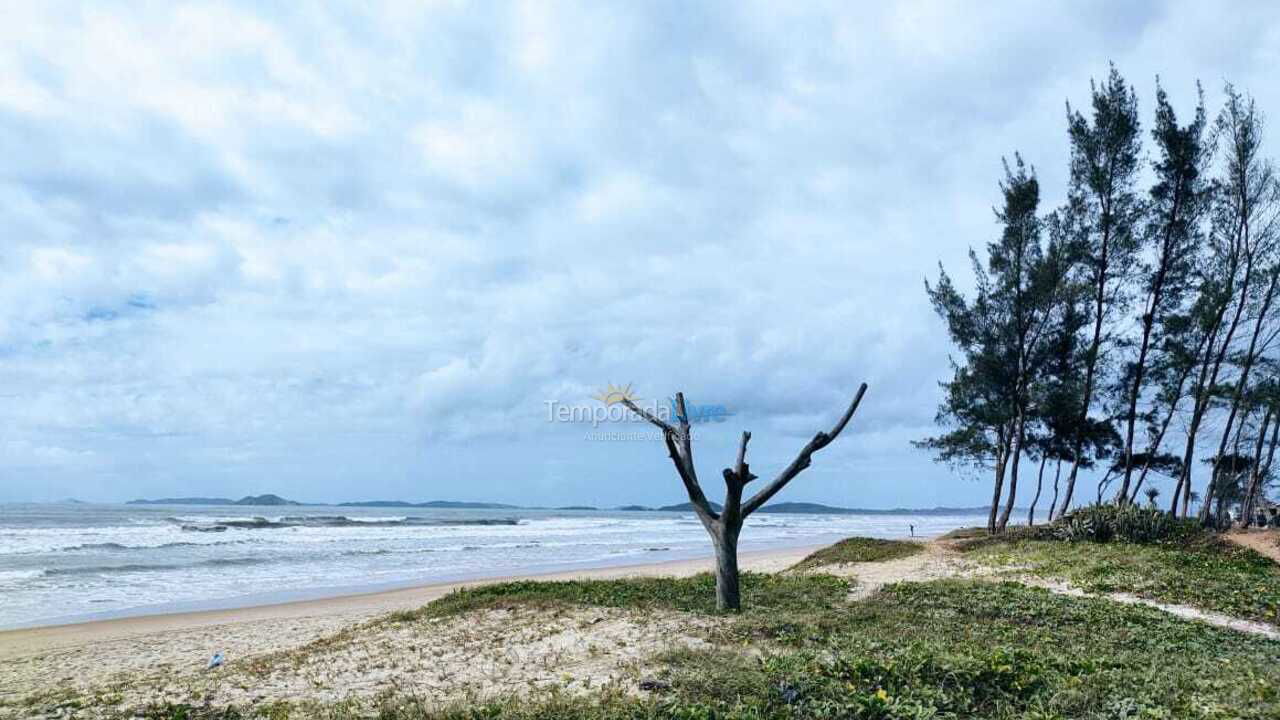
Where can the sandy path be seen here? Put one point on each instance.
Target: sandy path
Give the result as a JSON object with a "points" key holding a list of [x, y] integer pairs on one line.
{"points": [[936, 562], [1266, 542], [940, 561]]}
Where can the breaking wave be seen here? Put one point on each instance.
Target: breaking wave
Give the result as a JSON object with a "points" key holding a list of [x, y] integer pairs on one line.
{"points": [[156, 567], [328, 521]]}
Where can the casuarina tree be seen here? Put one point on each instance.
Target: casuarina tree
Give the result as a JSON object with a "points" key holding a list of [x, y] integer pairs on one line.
{"points": [[1105, 160], [1002, 334], [1177, 201]]}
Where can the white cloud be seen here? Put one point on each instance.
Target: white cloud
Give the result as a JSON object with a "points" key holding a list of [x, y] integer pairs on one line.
{"points": [[342, 254]]}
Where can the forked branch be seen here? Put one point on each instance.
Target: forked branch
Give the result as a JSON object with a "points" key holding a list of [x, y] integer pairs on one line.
{"points": [[679, 443], [724, 527], [802, 461], [680, 447]]}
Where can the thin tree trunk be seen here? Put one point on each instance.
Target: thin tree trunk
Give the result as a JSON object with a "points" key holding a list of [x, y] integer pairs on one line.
{"points": [[1214, 357], [1019, 439], [1164, 427], [1203, 391], [1148, 321], [1057, 473], [1002, 458], [1091, 363], [1261, 474], [1031, 513], [1242, 382], [1255, 473]]}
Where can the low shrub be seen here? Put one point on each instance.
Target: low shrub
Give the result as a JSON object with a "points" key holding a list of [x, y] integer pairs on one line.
{"points": [[1125, 523]]}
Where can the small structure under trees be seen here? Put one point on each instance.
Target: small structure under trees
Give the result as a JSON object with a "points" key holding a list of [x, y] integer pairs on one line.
{"points": [[725, 526]]}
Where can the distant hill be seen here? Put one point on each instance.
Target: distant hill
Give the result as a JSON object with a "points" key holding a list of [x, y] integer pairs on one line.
{"points": [[807, 508], [467, 505], [687, 507], [267, 499], [450, 504], [184, 501], [782, 507]]}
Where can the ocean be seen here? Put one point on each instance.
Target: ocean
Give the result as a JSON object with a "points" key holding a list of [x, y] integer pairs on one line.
{"points": [[62, 563]]}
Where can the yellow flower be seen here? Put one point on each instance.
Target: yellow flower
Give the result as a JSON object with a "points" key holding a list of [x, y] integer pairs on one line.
{"points": [[882, 694]]}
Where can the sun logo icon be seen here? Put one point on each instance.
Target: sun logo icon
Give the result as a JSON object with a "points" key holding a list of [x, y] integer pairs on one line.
{"points": [[615, 394]]}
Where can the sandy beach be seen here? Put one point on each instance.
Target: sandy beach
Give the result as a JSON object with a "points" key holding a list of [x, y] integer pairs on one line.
{"points": [[171, 646]]}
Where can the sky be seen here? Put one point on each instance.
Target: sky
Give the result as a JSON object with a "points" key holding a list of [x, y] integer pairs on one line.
{"points": [[342, 254]]}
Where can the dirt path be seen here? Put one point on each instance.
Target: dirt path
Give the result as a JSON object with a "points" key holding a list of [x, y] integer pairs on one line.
{"points": [[940, 560], [936, 562], [1266, 542]]}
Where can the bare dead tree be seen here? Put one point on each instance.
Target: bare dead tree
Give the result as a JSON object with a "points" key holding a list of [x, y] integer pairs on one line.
{"points": [[725, 526]]}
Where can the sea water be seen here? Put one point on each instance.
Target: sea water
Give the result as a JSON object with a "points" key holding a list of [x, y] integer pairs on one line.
{"points": [[74, 562]]}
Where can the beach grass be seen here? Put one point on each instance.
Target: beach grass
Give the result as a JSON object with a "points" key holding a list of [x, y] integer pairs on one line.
{"points": [[859, 550], [761, 593]]}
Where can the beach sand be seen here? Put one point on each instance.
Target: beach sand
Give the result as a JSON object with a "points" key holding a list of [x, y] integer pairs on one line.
{"points": [[135, 660]]}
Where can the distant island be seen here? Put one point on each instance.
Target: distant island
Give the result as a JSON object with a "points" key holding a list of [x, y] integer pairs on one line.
{"points": [[799, 508], [808, 508], [256, 500], [449, 504]]}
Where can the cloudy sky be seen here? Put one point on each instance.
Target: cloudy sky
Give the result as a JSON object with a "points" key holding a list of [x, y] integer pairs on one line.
{"points": [[342, 255]]}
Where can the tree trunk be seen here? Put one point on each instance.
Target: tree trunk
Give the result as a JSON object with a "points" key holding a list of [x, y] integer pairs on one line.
{"points": [[1164, 427], [1002, 459], [1255, 473], [1057, 475], [1148, 321], [728, 596], [1019, 439], [1031, 513], [1261, 473], [1242, 383], [1090, 364], [1203, 390]]}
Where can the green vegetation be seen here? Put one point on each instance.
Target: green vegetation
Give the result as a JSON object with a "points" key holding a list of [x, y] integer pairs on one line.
{"points": [[762, 593], [857, 550], [1128, 523], [1206, 573], [916, 650], [1097, 524]]}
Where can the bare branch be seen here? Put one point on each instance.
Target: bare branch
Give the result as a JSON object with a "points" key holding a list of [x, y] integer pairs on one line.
{"points": [[740, 473], [802, 461], [848, 414], [740, 468], [681, 451], [686, 438], [647, 415]]}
